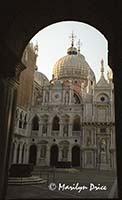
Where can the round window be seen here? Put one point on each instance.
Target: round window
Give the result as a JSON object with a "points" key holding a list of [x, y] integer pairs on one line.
{"points": [[102, 98]]}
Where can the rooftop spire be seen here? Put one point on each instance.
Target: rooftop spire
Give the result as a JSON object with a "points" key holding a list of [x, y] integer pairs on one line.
{"points": [[102, 67], [72, 39], [79, 45]]}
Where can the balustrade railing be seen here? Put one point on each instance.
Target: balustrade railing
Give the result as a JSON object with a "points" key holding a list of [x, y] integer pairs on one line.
{"points": [[76, 133], [55, 133], [34, 133]]}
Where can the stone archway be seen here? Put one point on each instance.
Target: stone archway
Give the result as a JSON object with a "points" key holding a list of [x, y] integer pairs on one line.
{"points": [[29, 18], [76, 156], [54, 155]]}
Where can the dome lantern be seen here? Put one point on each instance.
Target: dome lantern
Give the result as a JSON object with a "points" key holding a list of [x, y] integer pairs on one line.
{"points": [[72, 50]]}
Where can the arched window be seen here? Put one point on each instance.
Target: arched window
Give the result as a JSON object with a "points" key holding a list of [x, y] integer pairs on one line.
{"points": [[33, 154], [20, 120], [23, 151], [25, 121], [35, 123], [44, 128], [76, 99], [17, 113], [76, 124], [55, 126]]}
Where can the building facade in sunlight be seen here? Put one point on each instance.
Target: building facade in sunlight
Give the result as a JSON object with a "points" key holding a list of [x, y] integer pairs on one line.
{"points": [[69, 120]]}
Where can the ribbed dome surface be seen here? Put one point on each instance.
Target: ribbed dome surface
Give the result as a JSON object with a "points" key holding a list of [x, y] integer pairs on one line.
{"points": [[40, 78], [71, 66]]}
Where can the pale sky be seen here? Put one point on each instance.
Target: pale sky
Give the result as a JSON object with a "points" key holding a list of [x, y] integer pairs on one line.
{"points": [[54, 40]]}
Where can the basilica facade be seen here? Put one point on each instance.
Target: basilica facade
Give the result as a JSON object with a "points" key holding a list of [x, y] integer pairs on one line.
{"points": [[69, 120]]}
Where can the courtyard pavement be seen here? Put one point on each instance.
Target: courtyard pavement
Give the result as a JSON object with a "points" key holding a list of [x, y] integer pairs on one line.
{"points": [[67, 184]]}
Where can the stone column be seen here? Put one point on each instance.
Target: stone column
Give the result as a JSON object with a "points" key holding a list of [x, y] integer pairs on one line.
{"points": [[83, 137], [24, 156], [48, 155], [61, 129], [29, 129], [11, 66], [38, 154], [17, 123], [60, 153], [111, 135], [63, 96], [70, 153], [20, 154], [43, 102], [40, 129], [50, 96], [115, 56], [26, 160], [70, 130], [49, 129], [70, 96], [7, 117], [92, 136], [94, 159]]}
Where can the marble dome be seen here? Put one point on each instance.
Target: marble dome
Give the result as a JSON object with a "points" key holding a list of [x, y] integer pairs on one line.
{"points": [[73, 65], [40, 78]]}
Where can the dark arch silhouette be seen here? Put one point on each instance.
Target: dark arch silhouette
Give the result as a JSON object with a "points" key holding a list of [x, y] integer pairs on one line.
{"points": [[23, 151], [55, 123], [76, 156], [33, 154], [20, 120], [54, 155], [76, 124], [18, 151], [35, 123]]}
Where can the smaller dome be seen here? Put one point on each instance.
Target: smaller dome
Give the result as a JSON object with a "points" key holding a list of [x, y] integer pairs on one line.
{"points": [[40, 78]]}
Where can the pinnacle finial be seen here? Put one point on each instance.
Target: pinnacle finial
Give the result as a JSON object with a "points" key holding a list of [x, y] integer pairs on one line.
{"points": [[79, 45], [72, 39], [102, 65]]}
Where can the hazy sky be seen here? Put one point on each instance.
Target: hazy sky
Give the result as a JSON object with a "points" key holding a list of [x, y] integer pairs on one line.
{"points": [[54, 40]]}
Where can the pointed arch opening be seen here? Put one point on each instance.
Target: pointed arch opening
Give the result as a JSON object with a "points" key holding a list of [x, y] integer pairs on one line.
{"points": [[18, 152], [76, 124], [33, 154], [55, 123], [23, 153], [54, 151], [20, 119], [35, 123], [76, 156]]}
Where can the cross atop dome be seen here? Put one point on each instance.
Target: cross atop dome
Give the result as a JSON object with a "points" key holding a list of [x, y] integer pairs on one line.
{"points": [[72, 50], [72, 37]]}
